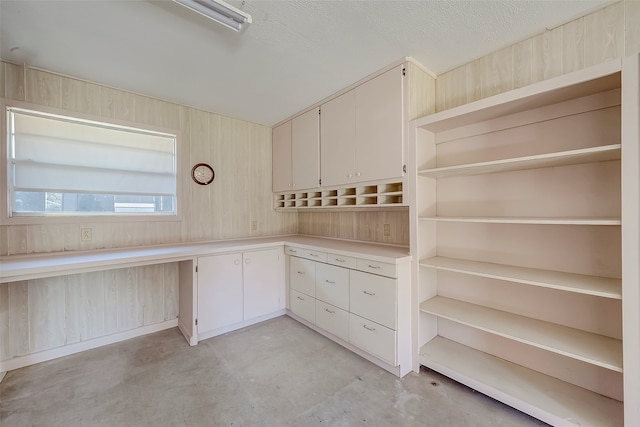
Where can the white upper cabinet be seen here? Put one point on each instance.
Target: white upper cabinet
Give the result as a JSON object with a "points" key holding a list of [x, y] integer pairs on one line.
{"points": [[379, 127], [281, 162], [296, 153], [305, 150], [362, 132]]}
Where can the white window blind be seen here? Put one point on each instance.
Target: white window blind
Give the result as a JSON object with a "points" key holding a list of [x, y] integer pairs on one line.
{"points": [[58, 154]]}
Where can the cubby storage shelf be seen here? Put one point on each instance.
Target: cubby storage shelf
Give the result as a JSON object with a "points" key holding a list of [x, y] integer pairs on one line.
{"points": [[607, 287], [575, 343], [541, 221], [388, 194], [564, 158], [547, 398]]}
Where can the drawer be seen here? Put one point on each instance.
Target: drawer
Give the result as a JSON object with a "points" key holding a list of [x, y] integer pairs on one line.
{"points": [[314, 255], [292, 250], [341, 260], [375, 267], [332, 319], [373, 338], [332, 285], [373, 297], [302, 275], [303, 305]]}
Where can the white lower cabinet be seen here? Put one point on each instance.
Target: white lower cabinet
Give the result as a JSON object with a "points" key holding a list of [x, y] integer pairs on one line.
{"points": [[373, 338], [332, 319], [238, 287], [303, 305], [373, 297]]}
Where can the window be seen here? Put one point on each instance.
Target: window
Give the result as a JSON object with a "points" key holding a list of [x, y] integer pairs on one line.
{"points": [[61, 166]]}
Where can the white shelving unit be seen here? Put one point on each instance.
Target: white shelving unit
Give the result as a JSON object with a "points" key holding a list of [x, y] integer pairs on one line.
{"points": [[517, 226]]}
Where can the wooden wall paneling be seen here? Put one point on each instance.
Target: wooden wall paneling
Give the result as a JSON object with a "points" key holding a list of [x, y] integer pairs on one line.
{"points": [[496, 72], [19, 342], [421, 92], [43, 88], [73, 308], [117, 104], [631, 27], [155, 112], [523, 63], [93, 305], [260, 183], [47, 313], [4, 240], [573, 46], [45, 238], [14, 82], [4, 323], [129, 315], [110, 301], [171, 290], [546, 55], [151, 293], [196, 216], [80, 96], [451, 89], [2, 78], [604, 34]]}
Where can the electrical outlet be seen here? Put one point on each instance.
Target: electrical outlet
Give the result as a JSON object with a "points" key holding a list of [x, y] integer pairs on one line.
{"points": [[86, 234], [387, 229], [254, 225]]}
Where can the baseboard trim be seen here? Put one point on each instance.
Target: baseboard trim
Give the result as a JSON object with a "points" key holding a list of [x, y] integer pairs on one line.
{"points": [[239, 325], [43, 356], [2, 374]]}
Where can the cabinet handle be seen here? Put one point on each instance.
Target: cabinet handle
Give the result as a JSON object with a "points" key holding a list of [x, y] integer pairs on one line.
{"points": [[369, 293], [358, 174], [236, 262], [300, 298], [368, 328], [330, 282], [301, 272], [341, 260], [247, 261], [329, 311], [314, 255], [377, 267], [293, 251]]}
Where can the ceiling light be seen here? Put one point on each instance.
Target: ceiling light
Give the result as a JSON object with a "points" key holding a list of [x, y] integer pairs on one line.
{"points": [[219, 11]]}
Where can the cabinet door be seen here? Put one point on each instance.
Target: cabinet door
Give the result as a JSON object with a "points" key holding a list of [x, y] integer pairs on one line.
{"points": [[220, 292], [302, 275], [332, 285], [338, 130], [281, 157], [379, 127], [264, 287], [305, 150]]}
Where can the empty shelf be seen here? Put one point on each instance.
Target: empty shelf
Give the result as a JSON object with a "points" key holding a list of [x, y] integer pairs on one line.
{"points": [[534, 221]]}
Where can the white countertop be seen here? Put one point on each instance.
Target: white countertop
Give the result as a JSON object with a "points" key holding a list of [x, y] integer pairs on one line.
{"points": [[26, 267]]}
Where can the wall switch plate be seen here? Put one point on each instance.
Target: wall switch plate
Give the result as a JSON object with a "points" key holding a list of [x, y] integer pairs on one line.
{"points": [[387, 229], [86, 234]]}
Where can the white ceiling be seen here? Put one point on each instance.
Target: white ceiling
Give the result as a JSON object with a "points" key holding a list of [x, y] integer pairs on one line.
{"points": [[294, 54]]}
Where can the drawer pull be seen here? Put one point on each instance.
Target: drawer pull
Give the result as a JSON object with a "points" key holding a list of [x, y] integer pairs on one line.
{"points": [[330, 282], [293, 251], [377, 267], [369, 293], [301, 272], [341, 260], [329, 311], [368, 328], [300, 298], [314, 255]]}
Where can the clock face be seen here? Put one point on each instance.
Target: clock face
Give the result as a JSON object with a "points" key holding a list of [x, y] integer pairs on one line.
{"points": [[202, 173]]}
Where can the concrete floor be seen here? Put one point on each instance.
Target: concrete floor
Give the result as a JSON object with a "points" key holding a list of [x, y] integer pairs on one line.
{"points": [[277, 373]]}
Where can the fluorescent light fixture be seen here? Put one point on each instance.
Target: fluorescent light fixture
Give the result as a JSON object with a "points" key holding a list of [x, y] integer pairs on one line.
{"points": [[219, 11]]}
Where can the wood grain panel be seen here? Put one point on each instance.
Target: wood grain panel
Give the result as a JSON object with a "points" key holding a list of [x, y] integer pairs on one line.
{"points": [[17, 239], [110, 301], [43, 88], [546, 55], [4, 323], [421, 93], [18, 318], [73, 306], [523, 63], [129, 315], [116, 104], [631, 27], [604, 34], [14, 82], [199, 211], [2, 78], [171, 290], [453, 88], [92, 306], [45, 238], [155, 112], [4, 240], [47, 313], [573, 46], [151, 293], [80, 96], [496, 72]]}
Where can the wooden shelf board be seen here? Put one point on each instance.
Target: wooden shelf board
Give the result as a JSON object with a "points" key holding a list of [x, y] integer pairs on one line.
{"points": [[577, 344], [606, 287], [565, 158], [518, 220], [546, 398]]}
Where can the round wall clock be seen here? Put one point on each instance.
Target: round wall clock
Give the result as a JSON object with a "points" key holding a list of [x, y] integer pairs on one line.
{"points": [[202, 174]]}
